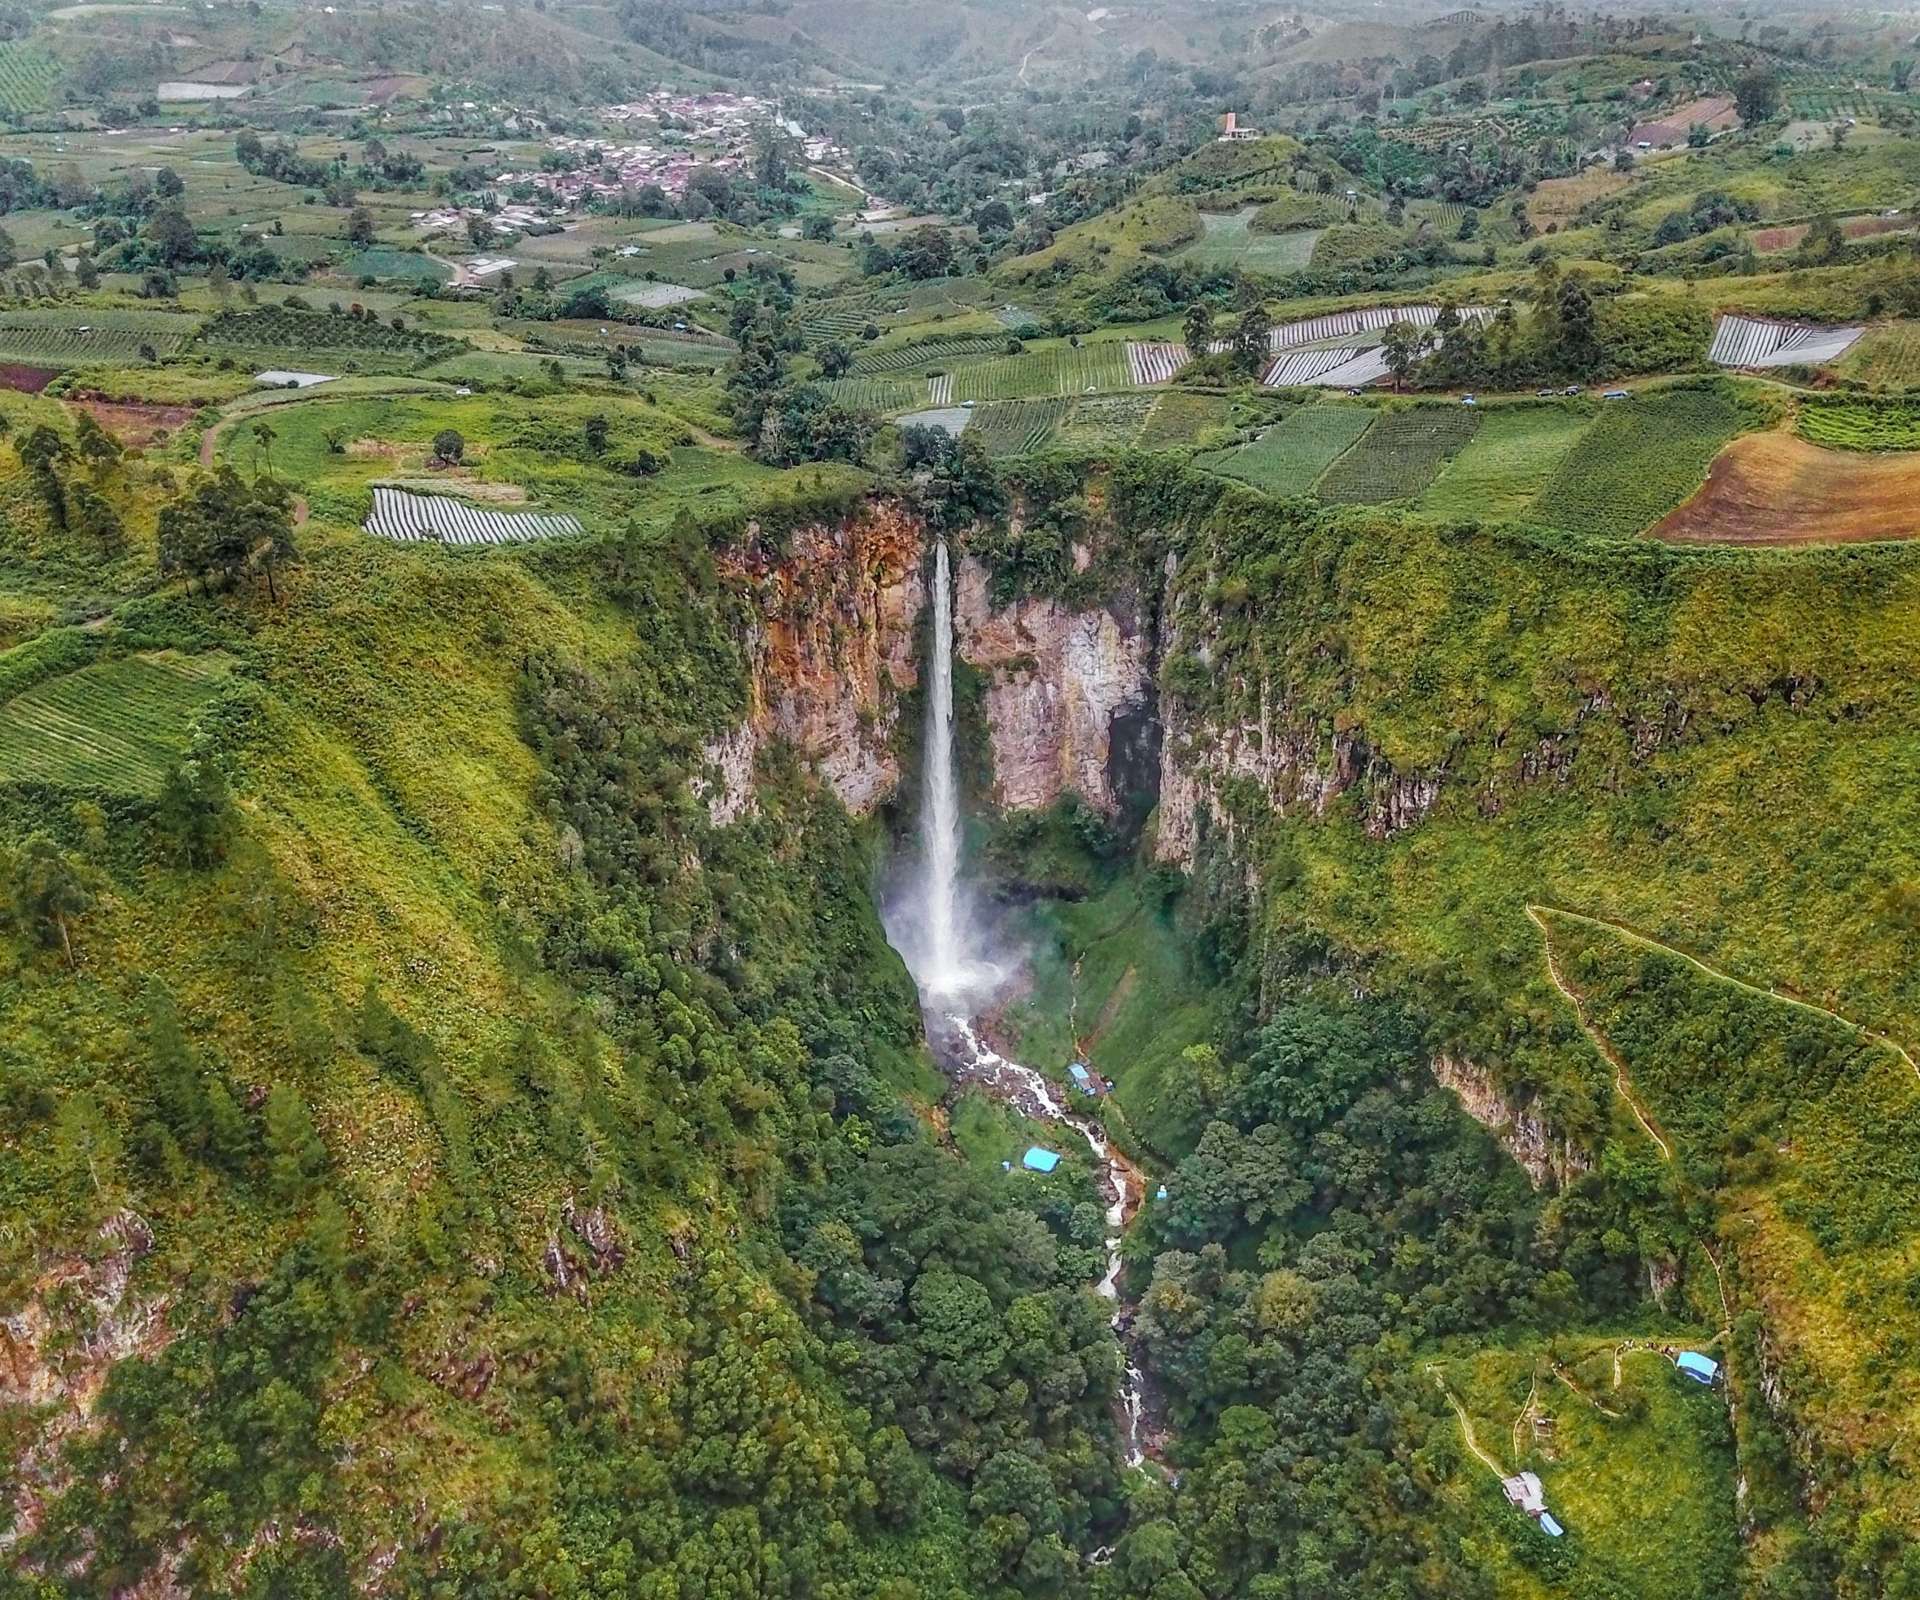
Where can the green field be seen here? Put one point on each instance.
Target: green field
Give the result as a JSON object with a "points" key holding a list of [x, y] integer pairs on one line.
{"points": [[66, 347], [1399, 455], [1290, 456], [883, 395], [1230, 242], [1887, 357], [382, 261], [1638, 461], [1059, 369], [1105, 421], [1179, 418], [1016, 427], [926, 353], [1640, 1472], [28, 73], [279, 336], [1505, 464], [1860, 425], [116, 727]]}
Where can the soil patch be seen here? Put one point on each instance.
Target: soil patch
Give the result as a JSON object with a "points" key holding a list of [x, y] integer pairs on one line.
{"points": [[1776, 489], [28, 380], [134, 423]]}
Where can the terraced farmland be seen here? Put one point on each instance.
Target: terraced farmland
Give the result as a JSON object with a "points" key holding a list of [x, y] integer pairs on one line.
{"points": [[1228, 240], [1100, 421], [883, 395], [1016, 427], [1290, 456], [51, 345], [1639, 460], [28, 73], [1178, 418], [1887, 357], [1504, 465], [279, 335], [1856, 425], [117, 726], [1399, 456], [1062, 370], [929, 352]]}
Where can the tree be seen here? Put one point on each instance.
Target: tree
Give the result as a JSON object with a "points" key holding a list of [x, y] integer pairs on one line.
{"points": [[1250, 337], [448, 446], [41, 453], [85, 273], [835, 359], [925, 253], [295, 1156], [172, 237], [1757, 96], [596, 434], [46, 890], [9, 252], [479, 230], [224, 526], [360, 227], [818, 228], [1197, 328], [264, 433], [192, 819], [1403, 345], [168, 184]]}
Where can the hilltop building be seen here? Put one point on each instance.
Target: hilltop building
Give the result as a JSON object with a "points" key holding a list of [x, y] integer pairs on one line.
{"points": [[1234, 131]]}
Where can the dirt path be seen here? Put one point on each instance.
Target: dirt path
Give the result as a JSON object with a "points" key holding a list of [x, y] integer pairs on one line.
{"points": [[1623, 1086], [1647, 941], [1466, 1425]]}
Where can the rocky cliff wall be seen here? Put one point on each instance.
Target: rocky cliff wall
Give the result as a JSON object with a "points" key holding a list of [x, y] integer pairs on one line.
{"points": [[1058, 682], [829, 654]]}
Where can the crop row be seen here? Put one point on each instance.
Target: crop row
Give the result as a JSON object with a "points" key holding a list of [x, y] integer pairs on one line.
{"points": [[1016, 427], [1063, 370], [116, 726], [1638, 461], [1399, 455], [910, 356], [1855, 425], [1291, 455], [27, 76], [281, 328], [65, 346], [884, 395]]}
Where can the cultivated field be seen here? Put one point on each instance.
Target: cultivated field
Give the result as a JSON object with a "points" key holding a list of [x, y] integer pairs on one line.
{"points": [[1016, 427], [1290, 456], [1061, 370], [1505, 464], [1773, 489], [1229, 241], [117, 726], [926, 353], [1399, 455], [1100, 421], [1887, 357], [883, 395], [1859, 425], [1179, 419], [1640, 458]]}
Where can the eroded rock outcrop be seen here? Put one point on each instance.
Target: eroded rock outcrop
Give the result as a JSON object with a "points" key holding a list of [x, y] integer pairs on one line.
{"points": [[1059, 680], [829, 655], [1544, 1155]]}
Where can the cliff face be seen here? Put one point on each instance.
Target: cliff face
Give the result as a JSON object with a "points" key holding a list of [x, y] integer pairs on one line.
{"points": [[828, 657], [832, 651], [1060, 683], [1548, 1158]]}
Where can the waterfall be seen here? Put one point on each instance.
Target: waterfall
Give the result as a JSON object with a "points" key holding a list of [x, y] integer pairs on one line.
{"points": [[945, 960], [932, 926]]}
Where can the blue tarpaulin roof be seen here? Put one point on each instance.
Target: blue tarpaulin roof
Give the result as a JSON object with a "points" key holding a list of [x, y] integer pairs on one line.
{"points": [[1079, 1072], [1695, 1365], [1038, 1160], [1549, 1527]]}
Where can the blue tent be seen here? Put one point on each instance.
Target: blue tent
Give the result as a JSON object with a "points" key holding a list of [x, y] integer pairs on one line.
{"points": [[1702, 1369], [1082, 1079], [1160, 1193], [1038, 1160], [1549, 1527]]}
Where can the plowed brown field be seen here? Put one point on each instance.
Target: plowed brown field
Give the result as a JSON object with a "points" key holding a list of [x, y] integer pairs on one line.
{"points": [[1775, 488]]}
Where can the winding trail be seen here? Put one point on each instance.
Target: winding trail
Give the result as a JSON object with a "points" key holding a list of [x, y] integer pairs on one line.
{"points": [[1466, 1423], [1647, 941], [1622, 1084]]}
